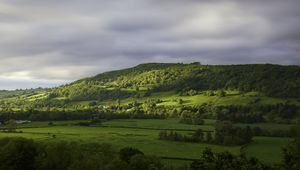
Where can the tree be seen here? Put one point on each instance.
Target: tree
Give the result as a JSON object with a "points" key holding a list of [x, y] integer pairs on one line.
{"points": [[225, 160], [117, 164], [141, 162], [208, 137], [11, 125], [17, 154], [118, 102], [93, 103], [221, 93], [227, 134], [57, 156], [292, 155], [128, 152], [180, 101], [291, 158], [198, 135]]}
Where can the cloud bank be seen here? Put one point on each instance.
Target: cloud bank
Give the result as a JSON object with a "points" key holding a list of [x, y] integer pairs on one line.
{"points": [[46, 42]]}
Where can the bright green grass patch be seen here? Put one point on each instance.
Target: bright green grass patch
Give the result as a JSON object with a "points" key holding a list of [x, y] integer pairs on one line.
{"points": [[232, 98], [171, 98]]}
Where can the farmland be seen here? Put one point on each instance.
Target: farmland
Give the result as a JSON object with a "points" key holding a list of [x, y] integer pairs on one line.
{"points": [[143, 134], [171, 111]]}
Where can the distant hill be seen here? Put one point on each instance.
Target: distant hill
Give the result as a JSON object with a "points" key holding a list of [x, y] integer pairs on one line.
{"points": [[271, 80], [169, 79]]}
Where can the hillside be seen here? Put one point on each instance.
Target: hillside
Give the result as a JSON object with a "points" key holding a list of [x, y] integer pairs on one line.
{"points": [[168, 110], [271, 82]]}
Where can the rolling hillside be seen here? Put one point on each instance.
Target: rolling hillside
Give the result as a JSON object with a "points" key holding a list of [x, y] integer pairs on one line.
{"points": [[194, 83]]}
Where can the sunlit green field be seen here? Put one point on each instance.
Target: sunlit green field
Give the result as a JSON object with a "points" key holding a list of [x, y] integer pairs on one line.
{"points": [[232, 98], [143, 134]]}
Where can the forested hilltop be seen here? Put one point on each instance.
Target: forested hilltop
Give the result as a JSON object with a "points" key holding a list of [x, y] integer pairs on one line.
{"points": [[271, 80]]}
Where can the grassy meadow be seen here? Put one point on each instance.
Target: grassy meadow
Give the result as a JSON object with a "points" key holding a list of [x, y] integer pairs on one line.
{"points": [[143, 134], [171, 98]]}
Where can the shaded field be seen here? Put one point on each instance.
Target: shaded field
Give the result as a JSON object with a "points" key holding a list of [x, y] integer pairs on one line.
{"points": [[146, 140], [268, 126], [268, 149], [166, 124], [143, 134]]}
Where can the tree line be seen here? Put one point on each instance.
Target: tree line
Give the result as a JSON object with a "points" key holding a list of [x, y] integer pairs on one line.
{"points": [[282, 113], [198, 136], [224, 134], [26, 154]]}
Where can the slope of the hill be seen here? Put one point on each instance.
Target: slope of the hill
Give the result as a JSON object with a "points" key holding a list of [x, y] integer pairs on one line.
{"points": [[271, 80], [171, 81]]}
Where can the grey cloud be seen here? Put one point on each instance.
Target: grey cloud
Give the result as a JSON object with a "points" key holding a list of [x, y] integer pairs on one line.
{"points": [[66, 40], [11, 84]]}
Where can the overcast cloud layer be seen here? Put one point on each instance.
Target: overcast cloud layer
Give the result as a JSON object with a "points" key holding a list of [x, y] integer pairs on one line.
{"points": [[49, 42]]}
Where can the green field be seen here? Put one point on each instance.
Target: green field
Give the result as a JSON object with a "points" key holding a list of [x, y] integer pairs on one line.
{"points": [[232, 98], [268, 149], [143, 134]]}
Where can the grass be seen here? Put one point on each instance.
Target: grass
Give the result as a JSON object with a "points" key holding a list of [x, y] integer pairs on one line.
{"points": [[233, 97], [145, 140], [267, 149], [169, 98], [268, 126], [42, 124], [158, 124]]}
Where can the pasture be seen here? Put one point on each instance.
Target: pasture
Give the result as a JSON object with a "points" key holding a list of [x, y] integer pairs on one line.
{"points": [[232, 97], [143, 134]]}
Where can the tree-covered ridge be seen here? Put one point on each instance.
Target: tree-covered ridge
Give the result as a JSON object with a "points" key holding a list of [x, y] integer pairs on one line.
{"points": [[176, 84], [271, 80], [113, 75]]}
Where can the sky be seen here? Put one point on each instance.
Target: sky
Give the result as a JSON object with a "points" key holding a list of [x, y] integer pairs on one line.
{"points": [[51, 42]]}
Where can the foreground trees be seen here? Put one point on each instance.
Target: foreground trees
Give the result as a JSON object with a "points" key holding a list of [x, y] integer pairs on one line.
{"points": [[225, 161], [291, 158], [25, 154], [17, 154]]}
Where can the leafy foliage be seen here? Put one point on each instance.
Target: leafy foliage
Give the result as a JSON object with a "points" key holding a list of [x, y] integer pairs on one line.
{"points": [[225, 160], [24, 154]]}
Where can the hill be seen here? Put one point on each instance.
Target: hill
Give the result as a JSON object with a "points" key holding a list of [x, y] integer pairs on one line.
{"points": [[266, 79], [159, 107], [270, 80], [167, 86]]}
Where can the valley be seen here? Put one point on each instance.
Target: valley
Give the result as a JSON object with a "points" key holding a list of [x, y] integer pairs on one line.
{"points": [[174, 112]]}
